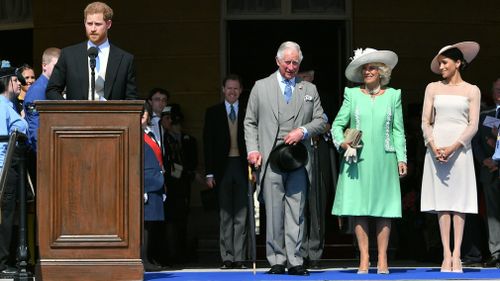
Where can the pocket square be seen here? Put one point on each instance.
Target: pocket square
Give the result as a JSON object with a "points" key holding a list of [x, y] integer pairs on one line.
{"points": [[308, 98]]}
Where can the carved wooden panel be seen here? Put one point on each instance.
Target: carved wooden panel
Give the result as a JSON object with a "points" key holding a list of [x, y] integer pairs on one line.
{"points": [[89, 192]]}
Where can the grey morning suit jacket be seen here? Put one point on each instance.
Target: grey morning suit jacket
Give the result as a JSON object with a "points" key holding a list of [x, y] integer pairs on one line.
{"points": [[261, 120]]}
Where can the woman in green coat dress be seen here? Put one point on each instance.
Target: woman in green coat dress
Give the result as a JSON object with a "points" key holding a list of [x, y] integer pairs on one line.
{"points": [[368, 184]]}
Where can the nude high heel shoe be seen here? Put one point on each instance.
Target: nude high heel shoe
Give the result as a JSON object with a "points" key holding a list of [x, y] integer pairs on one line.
{"points": [[363, 270], [446, 265], [457, 265], [382, 270]]}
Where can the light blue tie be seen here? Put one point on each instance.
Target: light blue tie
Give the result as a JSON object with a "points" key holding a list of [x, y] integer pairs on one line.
{"points": [[97, 61], [288, 90], [232, 114]]}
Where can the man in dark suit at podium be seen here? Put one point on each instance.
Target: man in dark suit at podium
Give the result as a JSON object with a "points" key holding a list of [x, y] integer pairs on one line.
{"points": [[114, 68]]}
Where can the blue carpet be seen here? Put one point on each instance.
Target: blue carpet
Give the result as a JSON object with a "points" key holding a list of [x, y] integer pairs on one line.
{"points": [[324, 275]]}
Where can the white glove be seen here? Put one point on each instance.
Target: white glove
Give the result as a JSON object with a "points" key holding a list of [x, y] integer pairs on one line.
{"points": [[164, 197], [351, 155], [145, 198]]}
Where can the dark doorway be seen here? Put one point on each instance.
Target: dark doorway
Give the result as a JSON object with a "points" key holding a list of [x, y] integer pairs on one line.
{"points": [[252, 46], [17, 46], [251, 51]]}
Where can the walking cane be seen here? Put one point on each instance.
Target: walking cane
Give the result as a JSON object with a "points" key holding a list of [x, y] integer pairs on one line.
{"points": [[251, 219]]}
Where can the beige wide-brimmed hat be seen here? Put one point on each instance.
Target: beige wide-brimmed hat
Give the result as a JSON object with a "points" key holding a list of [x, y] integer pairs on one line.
{"points": [[368, 55], [468, 48]]}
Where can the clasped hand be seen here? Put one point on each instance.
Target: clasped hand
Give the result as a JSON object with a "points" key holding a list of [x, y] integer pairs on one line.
{"points": [[351, 154], [443, 154]]}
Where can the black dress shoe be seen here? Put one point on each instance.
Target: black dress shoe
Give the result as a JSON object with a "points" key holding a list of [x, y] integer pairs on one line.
{"points": [[8, 272], [149, 267], [493, 262], [313, 264], [239, 265], [227, 265], [298, 270], [471, 263], [277, 269]]}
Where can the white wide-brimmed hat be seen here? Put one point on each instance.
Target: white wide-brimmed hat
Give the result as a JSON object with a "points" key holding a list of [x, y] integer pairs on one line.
{"points": [[468, 48], [368, 55]]}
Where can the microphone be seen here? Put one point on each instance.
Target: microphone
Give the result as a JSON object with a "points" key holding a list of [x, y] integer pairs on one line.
{"points": [[92, 53]]}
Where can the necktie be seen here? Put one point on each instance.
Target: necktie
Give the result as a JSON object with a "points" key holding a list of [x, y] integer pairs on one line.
{"points": [[288, 90], [232, 114], [97, 61], [498, 112]]}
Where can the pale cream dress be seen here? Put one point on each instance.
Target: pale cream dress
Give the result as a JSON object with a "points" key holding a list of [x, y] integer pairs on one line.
{"points": [[450, 113]]}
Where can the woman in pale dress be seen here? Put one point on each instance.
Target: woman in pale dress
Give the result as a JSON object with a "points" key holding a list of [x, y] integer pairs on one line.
{"points": [[449, 121], [368, 185]]}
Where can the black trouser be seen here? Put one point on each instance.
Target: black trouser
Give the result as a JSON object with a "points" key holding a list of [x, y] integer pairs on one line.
{"points": [[8, 206], [150, 251]]}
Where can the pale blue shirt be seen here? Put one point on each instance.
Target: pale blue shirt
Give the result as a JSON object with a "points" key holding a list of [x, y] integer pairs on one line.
{"points": [[10, 120], [100, 70]]}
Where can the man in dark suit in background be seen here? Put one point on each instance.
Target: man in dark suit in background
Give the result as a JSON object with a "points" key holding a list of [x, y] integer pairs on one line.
{"points": [[226, 170], [483, 145], [114, 70]]}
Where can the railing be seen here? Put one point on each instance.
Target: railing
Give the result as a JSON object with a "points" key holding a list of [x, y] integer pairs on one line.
{"points": [[16, 150]]}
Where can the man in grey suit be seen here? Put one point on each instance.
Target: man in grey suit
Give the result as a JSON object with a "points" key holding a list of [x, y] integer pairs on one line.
{"points": [[283, 109]]}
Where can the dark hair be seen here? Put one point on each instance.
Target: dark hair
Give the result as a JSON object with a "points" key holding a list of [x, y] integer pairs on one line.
{"points": [[455, 54], [158, 90], [147, 108], [3, 83], [234, 77], [24, 67], [5, 75]]}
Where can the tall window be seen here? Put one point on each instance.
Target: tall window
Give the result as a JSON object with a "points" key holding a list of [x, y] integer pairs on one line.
{"points": [[318, 6], [333, 9]]}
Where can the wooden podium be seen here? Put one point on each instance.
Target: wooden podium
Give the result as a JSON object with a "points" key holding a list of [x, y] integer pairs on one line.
{"points": [[89, 197]]}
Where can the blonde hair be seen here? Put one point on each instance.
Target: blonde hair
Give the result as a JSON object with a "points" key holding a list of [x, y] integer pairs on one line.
{"points": [[49, 54], [98, 8], [384, 72]]}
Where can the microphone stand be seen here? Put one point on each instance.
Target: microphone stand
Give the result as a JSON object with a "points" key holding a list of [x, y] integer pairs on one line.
{"points": [[92, 75], [22, 250]]}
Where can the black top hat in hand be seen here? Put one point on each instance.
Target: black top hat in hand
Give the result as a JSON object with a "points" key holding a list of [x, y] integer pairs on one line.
{"points": [[287, 158]]}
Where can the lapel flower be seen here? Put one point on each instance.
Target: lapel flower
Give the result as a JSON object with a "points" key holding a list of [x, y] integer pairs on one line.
{"points": [[308, 98]]}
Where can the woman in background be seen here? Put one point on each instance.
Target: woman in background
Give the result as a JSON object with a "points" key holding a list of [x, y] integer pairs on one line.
{"points": [[29, 76]]}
